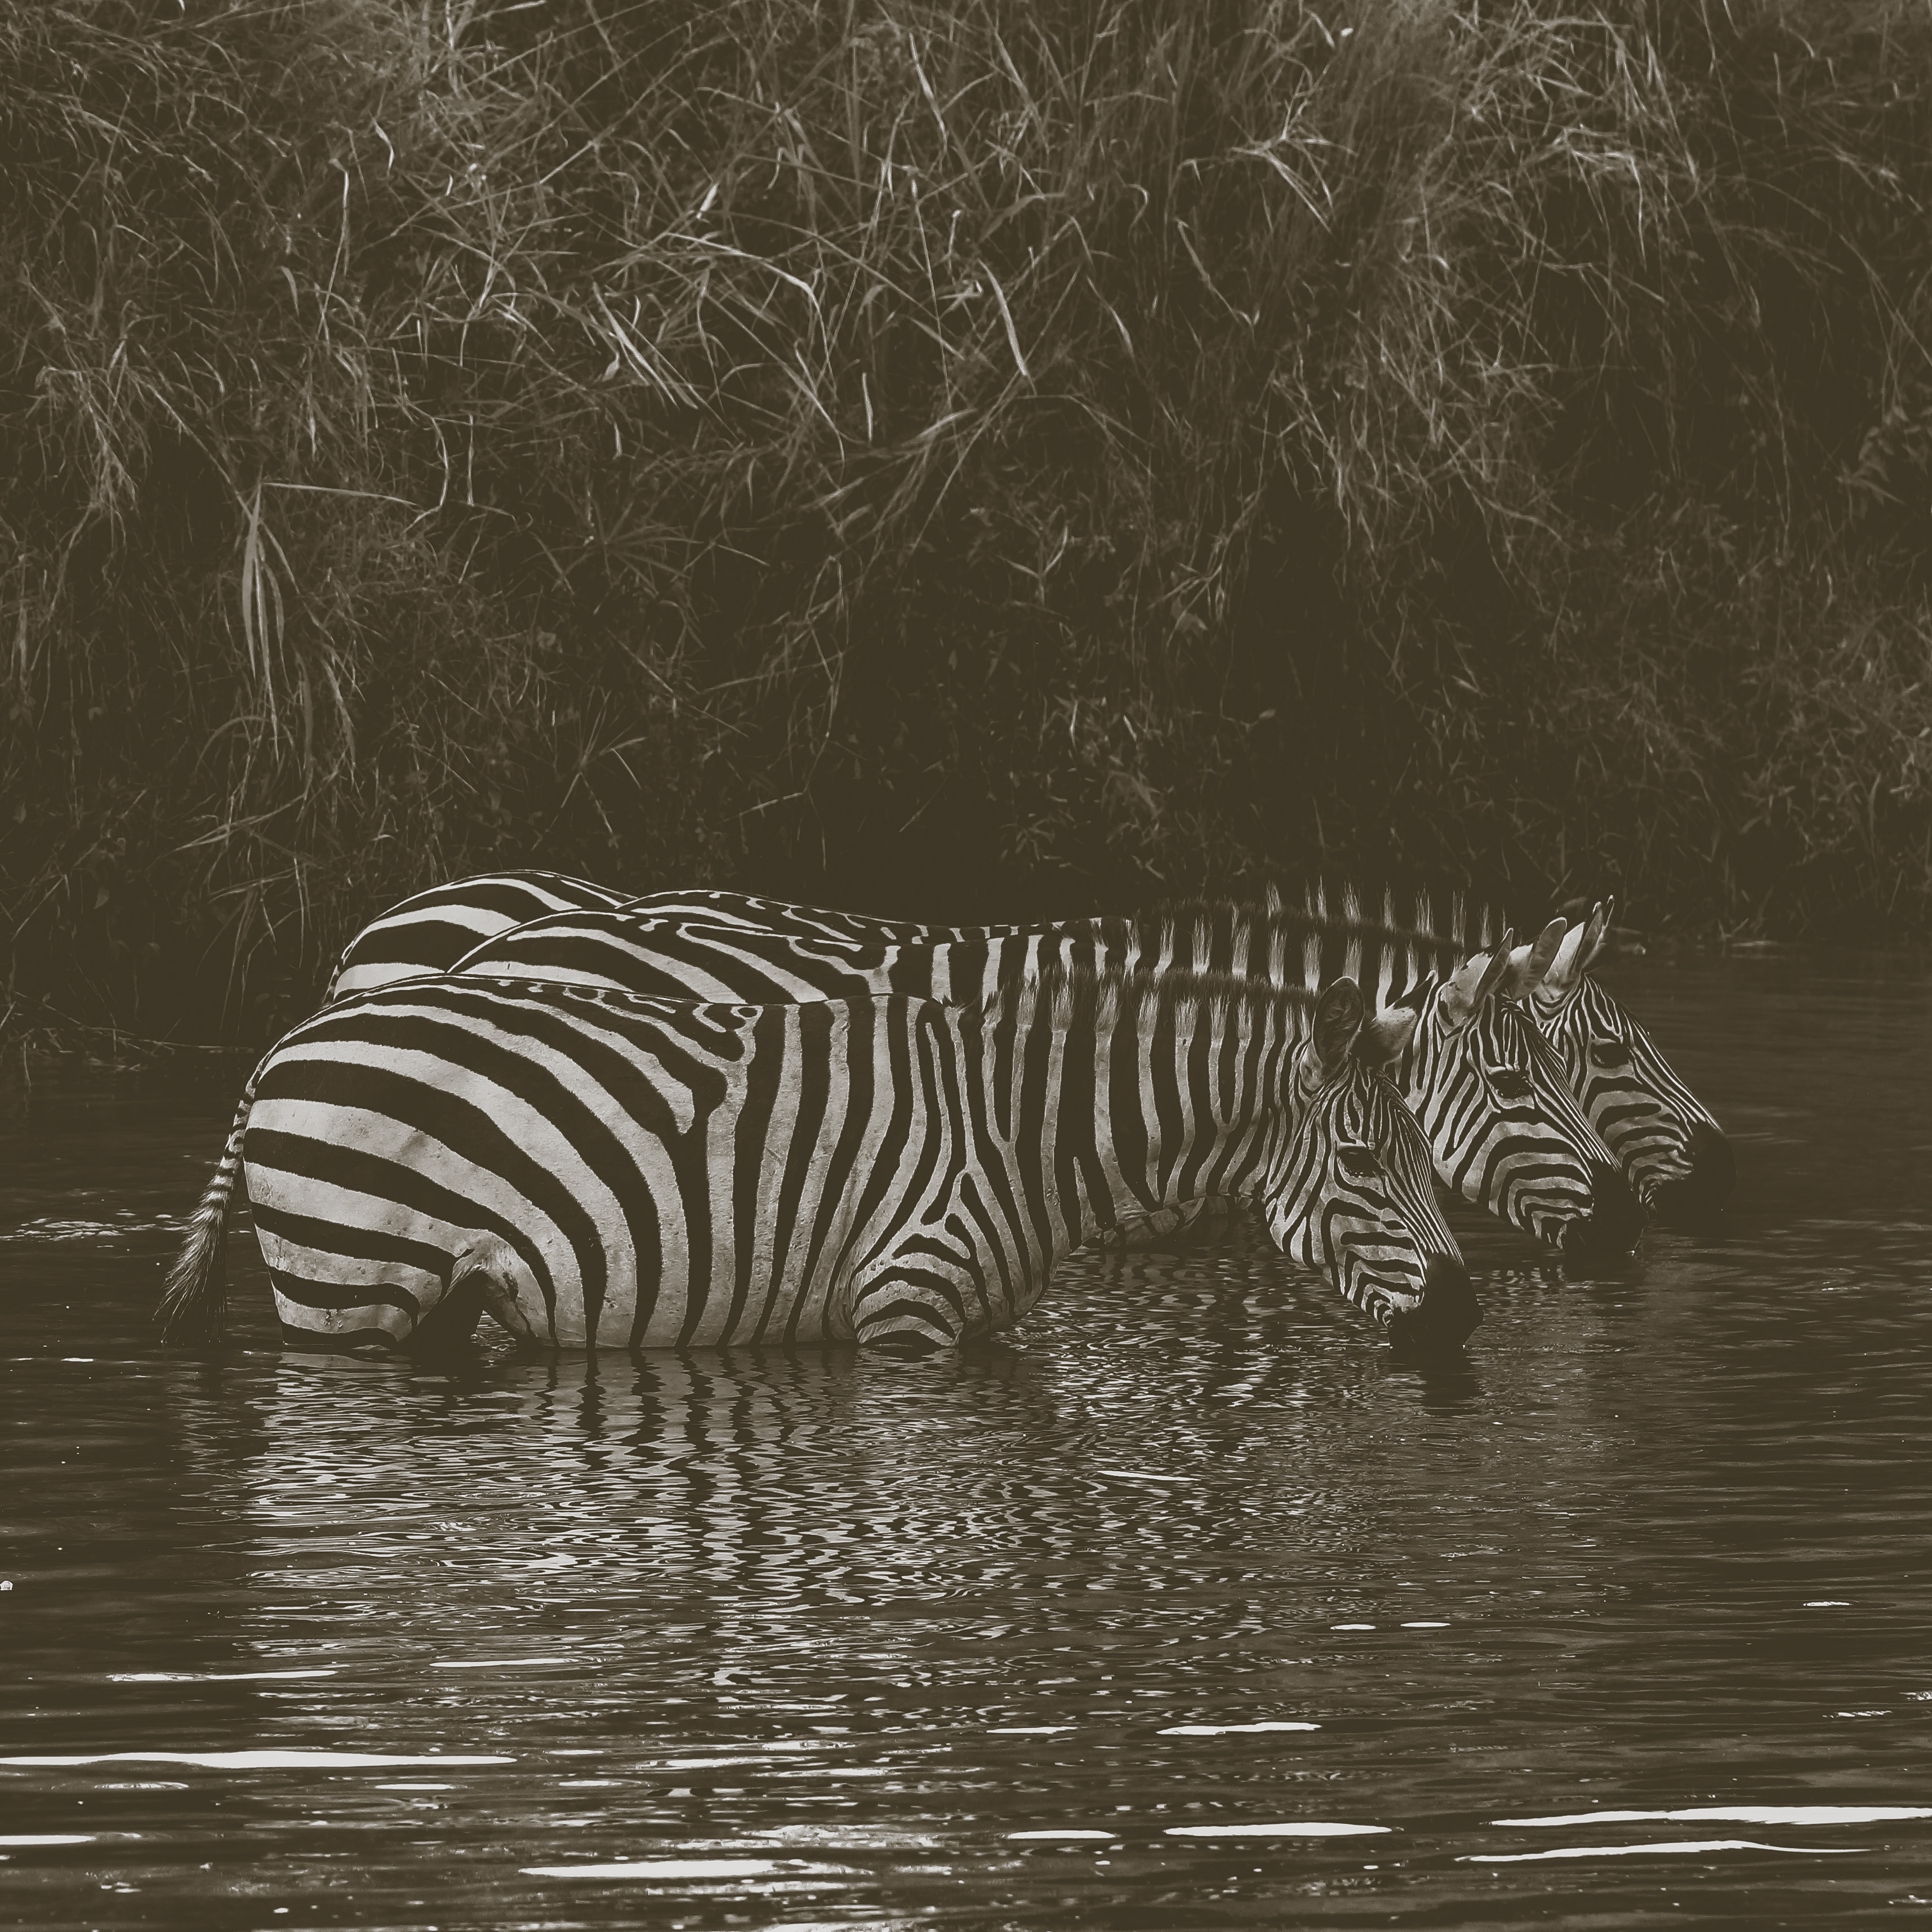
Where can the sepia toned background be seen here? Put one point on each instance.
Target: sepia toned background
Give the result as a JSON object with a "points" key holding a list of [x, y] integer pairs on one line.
{"points": [[991, 459]]}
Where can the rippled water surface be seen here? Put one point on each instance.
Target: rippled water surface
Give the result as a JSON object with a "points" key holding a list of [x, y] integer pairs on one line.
{"points": [[1188, 1606]]}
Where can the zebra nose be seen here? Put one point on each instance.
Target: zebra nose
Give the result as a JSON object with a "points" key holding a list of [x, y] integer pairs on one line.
{"points": [[1448, 1311], [1714, 1173], [1615, 1220]]}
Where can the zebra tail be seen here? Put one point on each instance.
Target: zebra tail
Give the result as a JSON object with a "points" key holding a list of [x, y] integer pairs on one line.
{"points": [[194, 1307]]}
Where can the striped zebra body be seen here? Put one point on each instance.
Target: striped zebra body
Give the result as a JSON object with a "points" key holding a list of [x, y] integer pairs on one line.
{"points": [[1506, 1131], [1398, 938], [790, 955], [748, 911], [429, 931], [595, 1168]]}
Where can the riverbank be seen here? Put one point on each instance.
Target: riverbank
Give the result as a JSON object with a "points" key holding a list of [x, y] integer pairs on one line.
{"points": [[993, 460]]}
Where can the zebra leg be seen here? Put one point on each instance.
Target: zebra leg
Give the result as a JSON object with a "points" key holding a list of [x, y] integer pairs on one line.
{"points": [[1168, 1228], [333, 1315], [451, 1321], [483, 1279], [920, 1299]]}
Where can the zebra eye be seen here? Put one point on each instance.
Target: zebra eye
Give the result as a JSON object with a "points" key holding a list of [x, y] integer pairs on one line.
{"points": [[1356, 1160], [1510, 1083], [1609, 1053]]}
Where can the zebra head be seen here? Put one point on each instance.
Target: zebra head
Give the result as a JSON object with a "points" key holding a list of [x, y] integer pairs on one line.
{"points": [[1494, 1100], [1666, 1140], [1346, 1186]]}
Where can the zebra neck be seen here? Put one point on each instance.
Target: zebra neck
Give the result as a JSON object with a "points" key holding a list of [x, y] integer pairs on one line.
{"points": [[1127, 1104], [970, 969]]}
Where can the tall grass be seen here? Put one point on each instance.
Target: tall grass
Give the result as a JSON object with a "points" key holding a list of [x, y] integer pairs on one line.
{"points": [[977, 458]]}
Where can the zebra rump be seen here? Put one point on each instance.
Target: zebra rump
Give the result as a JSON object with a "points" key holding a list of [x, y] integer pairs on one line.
{"points": [[430, 930]]}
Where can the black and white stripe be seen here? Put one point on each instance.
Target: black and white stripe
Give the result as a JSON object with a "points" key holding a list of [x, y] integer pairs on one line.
{"points": [[431, 930], [594, 1167], [1668, 1147]]}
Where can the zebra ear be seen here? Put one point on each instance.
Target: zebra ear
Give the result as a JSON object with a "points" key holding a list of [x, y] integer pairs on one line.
{"points": [[1567, 968], [1385, 1038], [1498, 970], [1581, 945], [1529, 963], [1338, 1019], [1598, 933], [1474, 980]]}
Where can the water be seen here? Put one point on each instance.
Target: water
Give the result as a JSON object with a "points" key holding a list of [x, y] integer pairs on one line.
{"points": [[1189, 1607]]}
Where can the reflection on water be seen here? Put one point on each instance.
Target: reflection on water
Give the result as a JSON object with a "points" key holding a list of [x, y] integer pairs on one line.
{"points": [[1189, 1605]]}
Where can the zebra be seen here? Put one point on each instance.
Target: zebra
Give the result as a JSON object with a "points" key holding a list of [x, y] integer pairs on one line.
{"points": [[593, 1168], [1506, 1132], [1674, 1156]]}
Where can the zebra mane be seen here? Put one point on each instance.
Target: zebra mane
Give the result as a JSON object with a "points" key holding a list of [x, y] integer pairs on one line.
{"points": [[1078, 993], [1434, 918], [1414, 915], [1395, 942]]}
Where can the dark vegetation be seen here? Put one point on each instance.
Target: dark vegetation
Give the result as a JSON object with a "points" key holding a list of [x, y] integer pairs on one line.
{"points": [[985, 459]]}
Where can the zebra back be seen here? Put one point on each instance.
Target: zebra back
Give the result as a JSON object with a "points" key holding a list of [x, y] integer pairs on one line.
{"points": [[431, 930], [747, 910], [689, 955], [1390, 939]]}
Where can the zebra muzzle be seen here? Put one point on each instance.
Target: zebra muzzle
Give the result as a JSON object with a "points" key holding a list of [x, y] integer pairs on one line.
{"points": [[1615, 1221], [1714, 1173], [1447, 1314]]}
